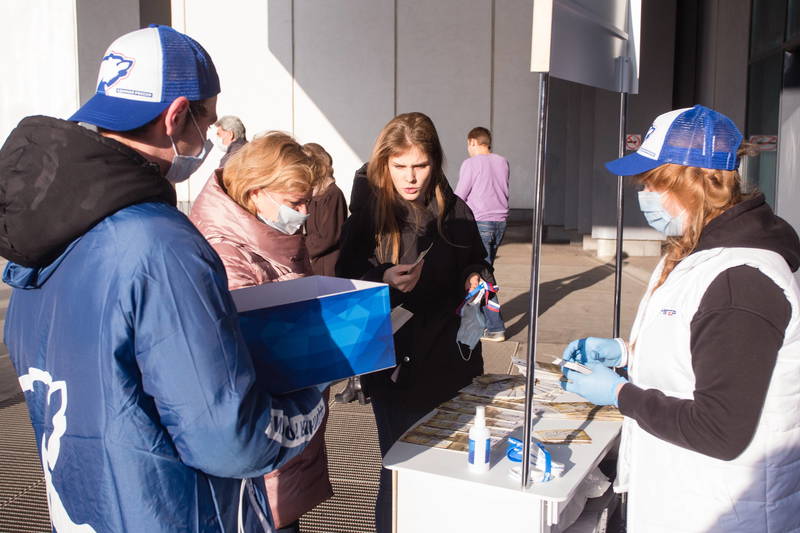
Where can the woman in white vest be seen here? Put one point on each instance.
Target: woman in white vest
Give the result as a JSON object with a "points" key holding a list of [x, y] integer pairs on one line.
{"points": [[711, 438]]}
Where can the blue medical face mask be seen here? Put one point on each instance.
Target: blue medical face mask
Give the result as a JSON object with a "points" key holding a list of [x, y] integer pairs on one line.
{"points": [[472, 324], [652, 205], [183, 166], [287, 220]]}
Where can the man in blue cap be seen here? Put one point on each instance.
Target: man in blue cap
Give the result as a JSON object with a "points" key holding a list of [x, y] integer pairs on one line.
{"points": [[144, 399]]}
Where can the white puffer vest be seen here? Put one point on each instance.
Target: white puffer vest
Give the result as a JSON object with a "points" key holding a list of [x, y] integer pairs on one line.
{"points": [[672, 489]]}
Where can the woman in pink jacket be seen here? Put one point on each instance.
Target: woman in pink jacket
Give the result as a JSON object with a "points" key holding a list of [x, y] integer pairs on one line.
{"points": [[252, 212]]}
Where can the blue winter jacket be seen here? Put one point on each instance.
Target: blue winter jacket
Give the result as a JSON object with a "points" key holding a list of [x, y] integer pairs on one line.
{"points": [[143, 397]]}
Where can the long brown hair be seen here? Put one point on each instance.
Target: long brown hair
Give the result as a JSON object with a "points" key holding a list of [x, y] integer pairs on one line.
{"points": [[399, 135], [703, 193]]}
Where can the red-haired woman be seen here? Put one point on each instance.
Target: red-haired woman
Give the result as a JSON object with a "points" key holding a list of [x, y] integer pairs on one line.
{"points": [[711, 438]]}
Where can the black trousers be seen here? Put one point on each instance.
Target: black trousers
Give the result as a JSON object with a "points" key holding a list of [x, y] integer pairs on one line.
{"points": [[393, 418]]}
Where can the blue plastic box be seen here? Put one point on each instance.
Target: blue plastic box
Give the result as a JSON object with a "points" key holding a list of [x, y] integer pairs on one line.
{"points": [[315, 330]]}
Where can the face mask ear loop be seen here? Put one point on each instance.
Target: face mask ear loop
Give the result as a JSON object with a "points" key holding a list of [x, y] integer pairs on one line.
{"points": [[174, 148], [200, 133], [277, 213], [172, 141], [461, 352]]}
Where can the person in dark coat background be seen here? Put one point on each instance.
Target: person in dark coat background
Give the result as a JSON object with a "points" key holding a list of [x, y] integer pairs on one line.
{"points": [[408, 208], [327, 212]]}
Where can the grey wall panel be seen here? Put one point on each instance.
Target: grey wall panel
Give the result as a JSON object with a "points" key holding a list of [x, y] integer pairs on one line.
{"points": [[606, 135], [515, 97], [585, 160], [572, 160], [706, 58], [732, 50], [444, 68], [722, 57], [99, 23], [155, 12], [656, 72], [655, 95], [344, 74], [557, 152]]}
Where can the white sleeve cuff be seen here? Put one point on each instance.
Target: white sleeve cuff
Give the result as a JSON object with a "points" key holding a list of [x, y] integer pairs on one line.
{"points": [[623, 348]]}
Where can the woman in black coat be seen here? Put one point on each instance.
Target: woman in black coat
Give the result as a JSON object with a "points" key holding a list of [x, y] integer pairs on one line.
{"points": [[409, 208]]}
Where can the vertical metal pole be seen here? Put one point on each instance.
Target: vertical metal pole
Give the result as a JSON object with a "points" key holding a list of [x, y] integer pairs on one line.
{"points": [[623, 105], [538, 219]]}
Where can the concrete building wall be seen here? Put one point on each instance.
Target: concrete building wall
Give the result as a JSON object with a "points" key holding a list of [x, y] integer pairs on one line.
{"points": [[99, 22], [654, 97], [444, 68], [39, 67], [344, 77], [251, 43], [51, 67], [723, 45], [335, 73], [515, 94]]}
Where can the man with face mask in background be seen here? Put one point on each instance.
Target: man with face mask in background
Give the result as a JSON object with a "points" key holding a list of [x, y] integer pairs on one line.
{"points": [[142, 394], [230, 136]]}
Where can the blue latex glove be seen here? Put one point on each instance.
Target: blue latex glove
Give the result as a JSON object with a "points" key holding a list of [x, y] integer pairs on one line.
{"points": [[607, 352], [599, 387]]}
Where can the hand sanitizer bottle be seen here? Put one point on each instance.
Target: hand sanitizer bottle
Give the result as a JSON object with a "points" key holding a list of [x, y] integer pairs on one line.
{"points": [[479, 443]]}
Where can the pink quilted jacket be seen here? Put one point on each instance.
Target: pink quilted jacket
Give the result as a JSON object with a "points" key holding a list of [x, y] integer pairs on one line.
{"points": [[254, 253]]}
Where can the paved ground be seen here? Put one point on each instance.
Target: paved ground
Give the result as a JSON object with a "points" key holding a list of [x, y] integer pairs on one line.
{"points": [[576, 300]]}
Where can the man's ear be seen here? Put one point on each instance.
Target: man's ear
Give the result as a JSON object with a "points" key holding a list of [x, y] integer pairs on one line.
{"points": [[175, 116]]}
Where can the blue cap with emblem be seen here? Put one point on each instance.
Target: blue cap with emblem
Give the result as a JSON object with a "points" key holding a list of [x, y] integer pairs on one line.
{"points": [[142, 73], [693, 137]]}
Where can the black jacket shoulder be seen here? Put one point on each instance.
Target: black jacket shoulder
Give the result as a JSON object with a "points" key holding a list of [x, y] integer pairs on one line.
{"points": [[58, 179]]}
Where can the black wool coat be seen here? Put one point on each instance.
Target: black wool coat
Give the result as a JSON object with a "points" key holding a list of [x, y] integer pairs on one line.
{"points": [[431, 368]]}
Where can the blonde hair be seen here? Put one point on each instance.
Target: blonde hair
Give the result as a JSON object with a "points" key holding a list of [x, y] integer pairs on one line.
{"points": [[321, 165], [703, 193], [275, 162], [397, 137]]}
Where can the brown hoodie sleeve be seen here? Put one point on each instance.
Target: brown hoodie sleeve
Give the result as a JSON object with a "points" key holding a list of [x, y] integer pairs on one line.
{"points": [[327, 215], [735, 337]]}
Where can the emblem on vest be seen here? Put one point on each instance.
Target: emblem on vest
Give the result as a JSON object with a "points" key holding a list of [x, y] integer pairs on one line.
{"points": [[669, 312]]}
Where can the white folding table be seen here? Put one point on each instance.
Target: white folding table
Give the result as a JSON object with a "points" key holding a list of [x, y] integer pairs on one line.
{"points": [[434, 491]]}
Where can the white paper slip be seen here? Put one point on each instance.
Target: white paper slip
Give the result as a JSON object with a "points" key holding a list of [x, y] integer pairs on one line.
{"points": [[400, 315], [572, 365], [422, 255]]}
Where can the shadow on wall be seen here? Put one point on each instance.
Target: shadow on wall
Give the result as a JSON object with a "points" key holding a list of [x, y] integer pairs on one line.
{"points": [[300, 43]]}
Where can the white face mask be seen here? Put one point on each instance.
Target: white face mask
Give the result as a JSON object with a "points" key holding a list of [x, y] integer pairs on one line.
{"points": [[219, 144], [287, 220], [652, 205], [183, 166]]}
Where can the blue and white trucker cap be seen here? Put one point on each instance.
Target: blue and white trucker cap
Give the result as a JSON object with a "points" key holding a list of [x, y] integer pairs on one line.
{"points": [[142, 73], [693, 137]]}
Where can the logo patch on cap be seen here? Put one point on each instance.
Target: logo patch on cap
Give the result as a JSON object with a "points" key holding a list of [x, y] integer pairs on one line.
{"points": [[142, 73], [113, 68]]}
